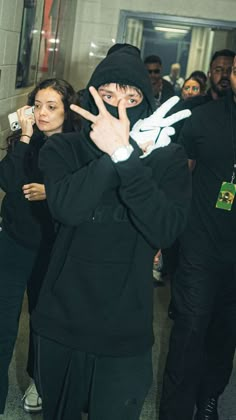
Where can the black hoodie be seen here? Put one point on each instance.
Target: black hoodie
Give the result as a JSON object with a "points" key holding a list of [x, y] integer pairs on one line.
{"points": [[27, 222], [97, 295]]}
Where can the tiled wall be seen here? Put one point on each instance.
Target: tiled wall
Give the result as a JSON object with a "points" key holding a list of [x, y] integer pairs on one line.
{"points": [[10, 26], [10, 99], [97, 23]]}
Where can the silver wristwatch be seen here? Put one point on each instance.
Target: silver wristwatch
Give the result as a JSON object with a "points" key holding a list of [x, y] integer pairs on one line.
{"points": [[122, 153]]}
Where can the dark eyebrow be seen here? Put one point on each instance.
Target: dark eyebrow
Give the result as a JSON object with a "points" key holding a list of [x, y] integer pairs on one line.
{"points": [[105, 90], [223, 67], [48, 102], [134, 94], [130, 95]]}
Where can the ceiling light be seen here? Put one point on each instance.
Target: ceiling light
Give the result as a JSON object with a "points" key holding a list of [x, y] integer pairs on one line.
{"points": [[176, 30]]}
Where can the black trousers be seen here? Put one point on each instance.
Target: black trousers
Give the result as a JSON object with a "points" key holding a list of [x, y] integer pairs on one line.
{"points": [[71, 382], [203, 338], [16, 264], [34, 283]]}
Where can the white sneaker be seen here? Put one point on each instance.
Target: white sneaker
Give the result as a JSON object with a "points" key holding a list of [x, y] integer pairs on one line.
{"points": [[32, 401]]}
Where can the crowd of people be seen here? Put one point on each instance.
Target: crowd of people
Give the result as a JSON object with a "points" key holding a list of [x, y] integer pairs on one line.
{"points": [[97, 185]]}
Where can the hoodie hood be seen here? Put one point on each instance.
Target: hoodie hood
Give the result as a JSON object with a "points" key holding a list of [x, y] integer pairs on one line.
{"points": [[122, 66]]}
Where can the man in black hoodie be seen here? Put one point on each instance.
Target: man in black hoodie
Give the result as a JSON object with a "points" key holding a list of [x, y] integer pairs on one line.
{"points": [[117, 203]]}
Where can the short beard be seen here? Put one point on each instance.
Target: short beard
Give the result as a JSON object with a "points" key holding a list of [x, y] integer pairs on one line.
{"points": [[220, 92]]}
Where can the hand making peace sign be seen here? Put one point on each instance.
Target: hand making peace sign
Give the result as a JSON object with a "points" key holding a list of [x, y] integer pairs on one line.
{"points": [[107, 132]]}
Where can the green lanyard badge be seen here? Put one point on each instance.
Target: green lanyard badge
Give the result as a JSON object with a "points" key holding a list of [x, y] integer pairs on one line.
{"points": [[226, 196]]}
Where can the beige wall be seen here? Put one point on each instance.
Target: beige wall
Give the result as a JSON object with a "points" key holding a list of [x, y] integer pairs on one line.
{"points": [[97, 22]]}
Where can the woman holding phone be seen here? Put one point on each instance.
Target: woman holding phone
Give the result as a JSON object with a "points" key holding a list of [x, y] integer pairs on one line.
{"points": [[27, 230]]}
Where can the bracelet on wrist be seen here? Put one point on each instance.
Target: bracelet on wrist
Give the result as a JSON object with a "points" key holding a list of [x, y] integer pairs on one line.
{"points": [[25, 135]]}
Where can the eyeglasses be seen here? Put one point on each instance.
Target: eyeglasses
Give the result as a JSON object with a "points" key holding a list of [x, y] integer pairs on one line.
{"points": [[156, 71]]}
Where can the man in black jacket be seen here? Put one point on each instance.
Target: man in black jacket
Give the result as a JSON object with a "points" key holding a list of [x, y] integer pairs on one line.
{"points": [[203, 337], [162, 89], [117, 203], [219, 85]]}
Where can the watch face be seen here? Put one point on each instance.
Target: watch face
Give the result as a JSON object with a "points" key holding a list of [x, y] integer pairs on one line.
{"points": [[122, 153]]}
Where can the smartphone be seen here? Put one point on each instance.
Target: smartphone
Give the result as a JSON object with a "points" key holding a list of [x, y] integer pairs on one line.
{"points": [[13, 119]]}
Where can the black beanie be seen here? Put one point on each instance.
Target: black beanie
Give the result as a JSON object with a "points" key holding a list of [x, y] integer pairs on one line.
{"points": [[124, 66], [118, 46]]}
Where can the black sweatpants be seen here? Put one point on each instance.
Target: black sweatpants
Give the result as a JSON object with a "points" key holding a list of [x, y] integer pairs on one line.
{"points": [[34, 283], [16, 264], [71, 382], [203, 337]]}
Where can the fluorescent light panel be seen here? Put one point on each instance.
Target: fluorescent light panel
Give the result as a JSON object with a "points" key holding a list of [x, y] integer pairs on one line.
{"points": [[176, 30]]}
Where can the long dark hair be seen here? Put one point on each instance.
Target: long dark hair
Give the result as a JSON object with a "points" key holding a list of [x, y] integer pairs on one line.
{"points": [[199, 81], [72, 121]]}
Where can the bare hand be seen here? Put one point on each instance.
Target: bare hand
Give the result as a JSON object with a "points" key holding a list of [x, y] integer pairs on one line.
{"points": [[34, 192], [107, 132], [157, 257]]}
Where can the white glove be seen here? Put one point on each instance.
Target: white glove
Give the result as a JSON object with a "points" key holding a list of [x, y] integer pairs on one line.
{"points": [[157, 129]]}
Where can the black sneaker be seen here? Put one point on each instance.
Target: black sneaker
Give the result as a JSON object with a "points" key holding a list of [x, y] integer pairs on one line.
{"points": [[207, 410]]}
